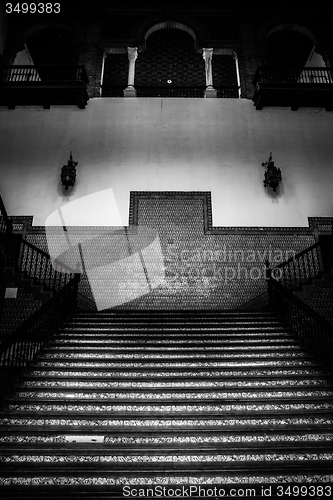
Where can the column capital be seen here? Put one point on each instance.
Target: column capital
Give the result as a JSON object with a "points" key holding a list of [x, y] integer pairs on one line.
{"points": [[132, 53], [207, 53]]}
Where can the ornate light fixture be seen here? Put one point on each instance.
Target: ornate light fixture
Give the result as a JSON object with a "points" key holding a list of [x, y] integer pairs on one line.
{"points": [[68, 173], [273, 175]]}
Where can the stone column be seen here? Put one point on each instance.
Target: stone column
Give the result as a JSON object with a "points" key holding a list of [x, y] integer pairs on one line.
{"points": [[102, 74], [234, 55], [207, 54], [132, 55]]}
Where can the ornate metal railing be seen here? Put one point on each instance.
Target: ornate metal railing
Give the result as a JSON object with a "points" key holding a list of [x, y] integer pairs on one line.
{"points": [[300, 269], [112, 90], [170, 91], [36, 264], [313, 331], [310, 76], [33, 262], [20, 349], [227, 92], [43, 73]]}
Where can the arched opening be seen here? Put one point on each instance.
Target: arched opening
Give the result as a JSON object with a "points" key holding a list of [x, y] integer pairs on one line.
{"points": [[293, 73], [290, 49], [52, 46], [170, 65]]}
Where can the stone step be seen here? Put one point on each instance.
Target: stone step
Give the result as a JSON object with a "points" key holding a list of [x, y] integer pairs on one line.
{"points": [[122, 422], [185, 394], [309, 457], [139, 371], [123, 437], [58, 382], [173, 321], [175, 335], [247, 406], [168, 483], [101, 453], [173, 343], [167, 326], [190, 348], [184, 313], [185, 355], [175, 363]]}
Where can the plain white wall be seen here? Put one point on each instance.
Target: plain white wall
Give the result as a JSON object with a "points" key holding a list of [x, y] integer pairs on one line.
{"points": [[153, 144]]}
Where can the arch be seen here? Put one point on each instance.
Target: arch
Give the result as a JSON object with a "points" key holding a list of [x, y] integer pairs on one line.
{"points": [[273, 25], [287, 48], [148, 26], [52, 46], [170, 25], [295, 27], [19, 39]]}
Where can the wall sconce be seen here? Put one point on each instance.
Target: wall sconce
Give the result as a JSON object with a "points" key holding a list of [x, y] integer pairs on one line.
{"points": [[68, 173], [273, 175]]}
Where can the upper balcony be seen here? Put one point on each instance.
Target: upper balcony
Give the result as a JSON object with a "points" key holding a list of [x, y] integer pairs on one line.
{"points": [[43, 85], [294, 88]]}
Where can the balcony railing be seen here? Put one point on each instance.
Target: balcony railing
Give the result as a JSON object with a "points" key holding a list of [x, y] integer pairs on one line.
{"points": [[294, 87], [170, 91], [43, 85]]}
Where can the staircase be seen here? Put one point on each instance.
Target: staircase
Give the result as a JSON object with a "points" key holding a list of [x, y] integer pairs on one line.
{"points": [[178, 399]]}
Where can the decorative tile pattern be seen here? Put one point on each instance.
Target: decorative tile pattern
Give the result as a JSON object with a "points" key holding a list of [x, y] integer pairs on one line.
{"points": [[199, 258], [171, 408], [175, 364], [174, 458], [316, 479], [169, 423], [170, 355], [163, 440], [170, 56], [101, 384], [160, 374]]}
